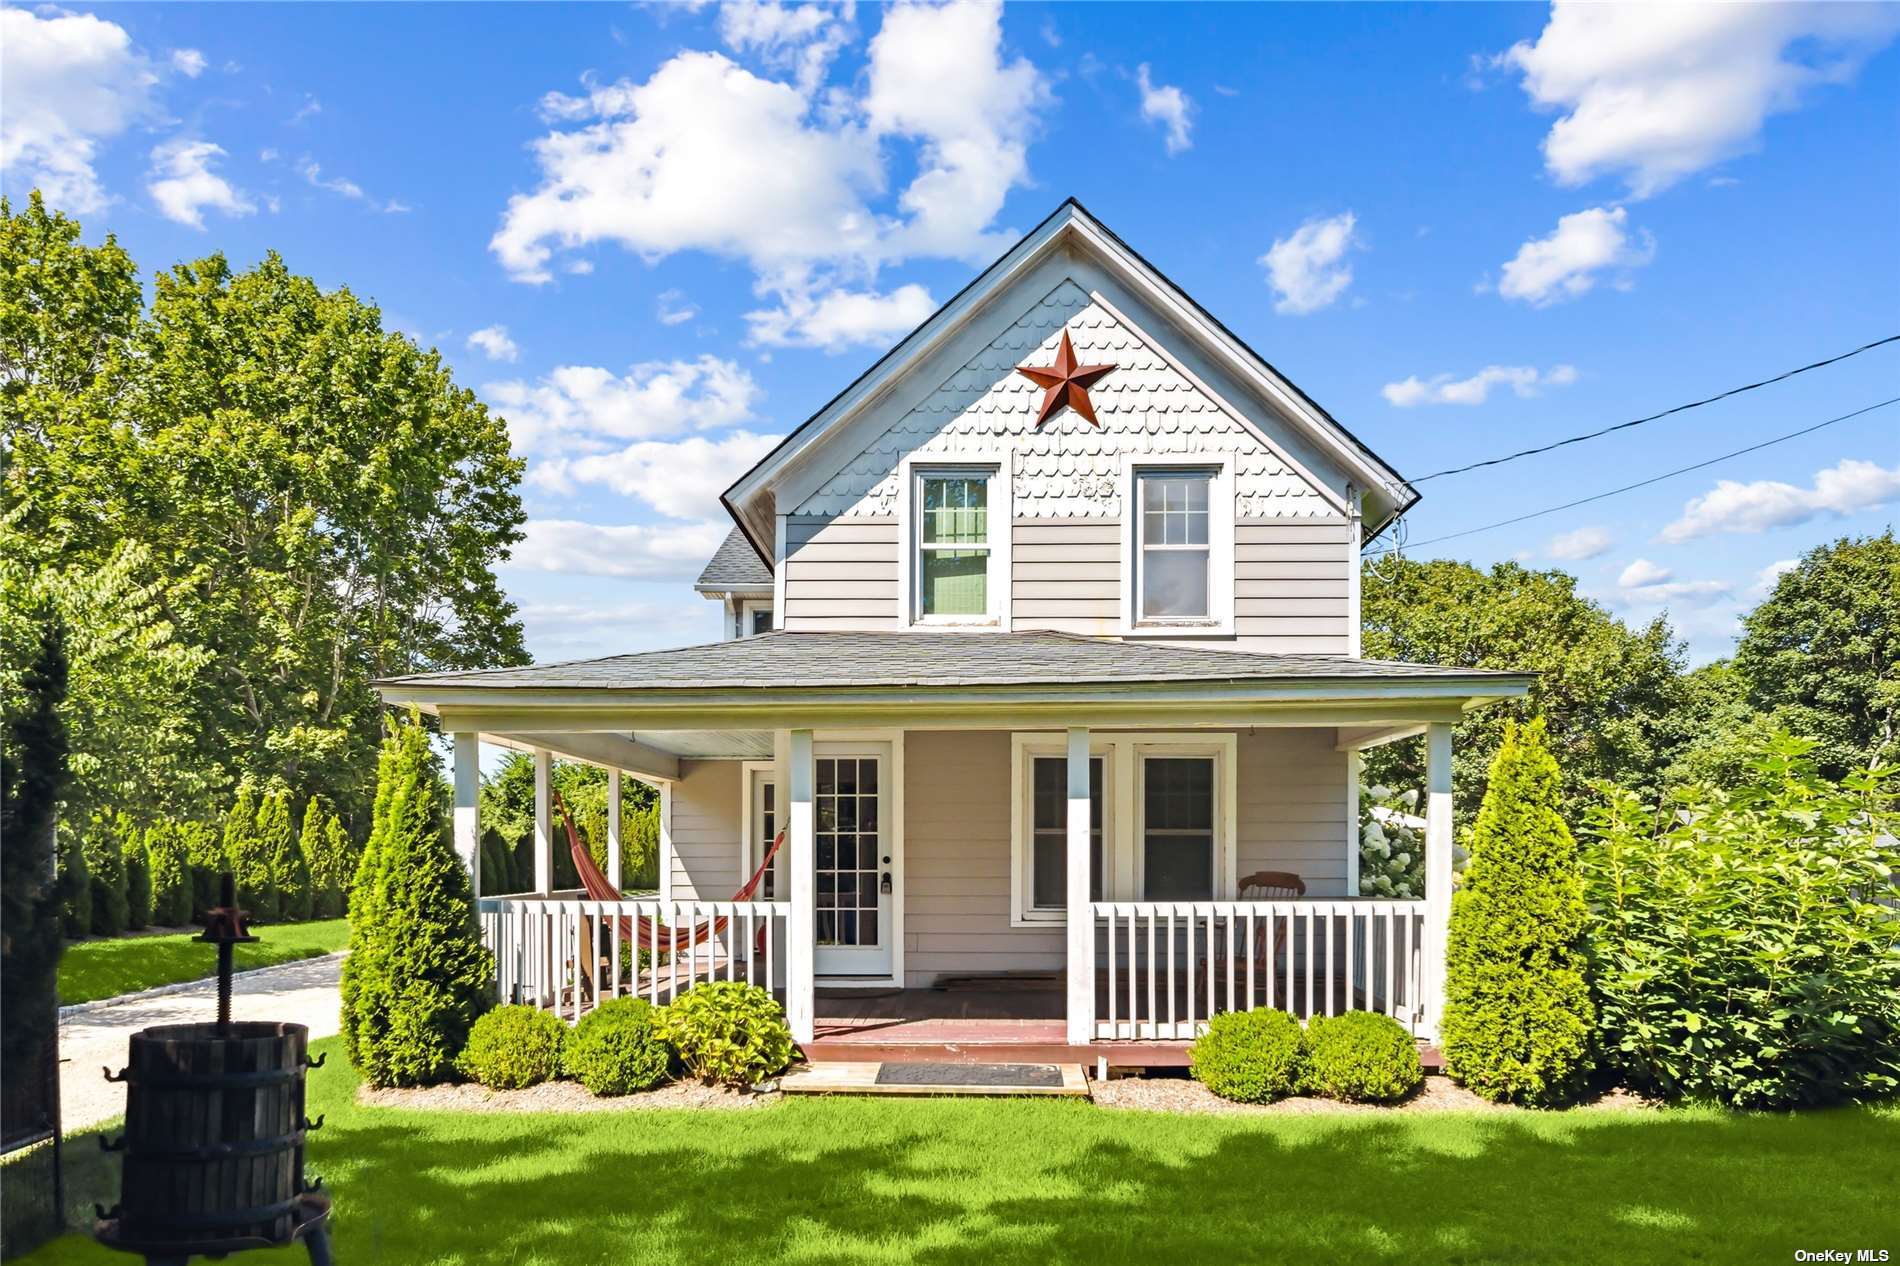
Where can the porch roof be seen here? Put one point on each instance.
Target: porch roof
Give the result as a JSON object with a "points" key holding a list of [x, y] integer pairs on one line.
{"points": [[798, 661], [735, 568]]}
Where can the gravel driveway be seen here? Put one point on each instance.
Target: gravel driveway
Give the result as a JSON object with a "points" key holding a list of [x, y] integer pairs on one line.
{"points": [[304, 992]]}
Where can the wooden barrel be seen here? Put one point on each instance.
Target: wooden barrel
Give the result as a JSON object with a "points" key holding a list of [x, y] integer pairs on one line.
{"points": [[214, 1135]]}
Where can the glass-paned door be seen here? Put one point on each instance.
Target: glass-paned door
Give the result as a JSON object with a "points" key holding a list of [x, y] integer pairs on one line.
{"points": [[766, 823], [853, 863]]}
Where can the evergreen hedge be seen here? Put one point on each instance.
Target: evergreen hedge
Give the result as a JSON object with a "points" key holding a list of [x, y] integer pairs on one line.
{"points": [[138, 881], [248, 857], [205, 860], [326, 870], [105, 864], [1518, 1017], [289, 871], [73, 886], [33, 779], [417, 976], [170, 874], [343, 855]]}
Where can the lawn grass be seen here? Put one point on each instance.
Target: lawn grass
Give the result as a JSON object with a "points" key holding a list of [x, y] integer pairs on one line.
{"points": [[999, 1181], [90, 970]]}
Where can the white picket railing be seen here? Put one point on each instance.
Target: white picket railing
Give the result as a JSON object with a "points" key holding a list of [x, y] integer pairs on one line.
{"points": [[570, 954], [1164, 968]]}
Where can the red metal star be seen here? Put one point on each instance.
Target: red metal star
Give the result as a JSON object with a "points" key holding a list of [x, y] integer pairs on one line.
{"points": [[1067, 383]]}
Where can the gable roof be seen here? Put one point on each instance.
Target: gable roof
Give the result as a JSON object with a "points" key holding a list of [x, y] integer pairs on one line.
{"points": [[1387, 494], [786, 660], [735, 568]]}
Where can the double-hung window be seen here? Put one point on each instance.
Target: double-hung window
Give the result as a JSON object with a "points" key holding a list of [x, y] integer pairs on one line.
{"points": [[1177, 828], [1049, 810], [1173, 569], [953, 546]]}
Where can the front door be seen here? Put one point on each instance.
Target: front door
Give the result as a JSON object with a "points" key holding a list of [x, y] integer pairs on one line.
{"points": [[856, 895]]}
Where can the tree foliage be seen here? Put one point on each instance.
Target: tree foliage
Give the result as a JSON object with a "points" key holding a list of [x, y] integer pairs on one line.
{"points": [[1609, 696], [1517, 1020], [507, 811], [170, 874], [260, 497], [289, 869], [417, 975], [249, 858], [138, 878], [33, 776], [327, 860], [104, 844]]}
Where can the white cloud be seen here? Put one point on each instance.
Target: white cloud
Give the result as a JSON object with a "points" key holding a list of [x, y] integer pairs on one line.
{"points": [[1307, 270], [802, 38], [1659, 92], [584, 408], [1523, 380], [493, 342], [1169, 106], [636, 551], [310, 108], [681, 479], [839, 319], [313, 175], [1584, 543], [707, 155], [72, 81], [188, 62], [673, 309], [183, 185], [1644, 583], [1565, 264], [1767, 577], [1843, 489]]}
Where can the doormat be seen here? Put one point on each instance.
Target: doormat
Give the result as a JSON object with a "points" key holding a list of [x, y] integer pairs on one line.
{"points": [[925, 1074]]}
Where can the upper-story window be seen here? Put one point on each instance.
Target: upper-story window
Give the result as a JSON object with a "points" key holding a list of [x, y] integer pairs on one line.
{"points": [[1180, 555], [753, 617], [954, 548]]}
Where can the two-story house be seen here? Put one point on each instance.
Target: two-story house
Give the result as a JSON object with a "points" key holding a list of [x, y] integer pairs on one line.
{"points": [[1042, 660]]}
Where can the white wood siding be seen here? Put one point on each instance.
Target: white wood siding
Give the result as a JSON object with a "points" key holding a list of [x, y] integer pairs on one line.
{"points": [[840, 574], [1067, 576], [1293, 807], [706, 831]]}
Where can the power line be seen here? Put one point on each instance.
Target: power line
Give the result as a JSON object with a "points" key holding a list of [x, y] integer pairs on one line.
{"points": [[1693, 404], [1644, 483]]}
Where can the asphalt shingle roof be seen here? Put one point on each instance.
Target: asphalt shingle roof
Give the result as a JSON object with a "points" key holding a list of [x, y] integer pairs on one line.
{"points": [[782, 660], [735, 565]]}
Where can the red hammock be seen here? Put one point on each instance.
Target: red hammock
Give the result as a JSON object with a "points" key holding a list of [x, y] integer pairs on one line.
{"points": [[647, 933]]}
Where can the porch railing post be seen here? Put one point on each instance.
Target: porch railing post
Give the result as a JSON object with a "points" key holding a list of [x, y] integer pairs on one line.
{"points": [[1081, 920], [1437, 876], [468, 790], [803, 921], [613, 829], [543, 822]]}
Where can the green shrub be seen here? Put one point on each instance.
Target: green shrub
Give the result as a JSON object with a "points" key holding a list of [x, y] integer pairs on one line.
{"points": [[326, 872], [1518, 1019], [1739, 949], [512, 1047], [497, 865], [729, 1033], [289, 869], [1361, 1057], [205, 862], [170, 876], [73, 886], [105, 864], [1250, 1056], [248, 857], [138, 881], [417, 974], [617, 1048], [343, 855]]}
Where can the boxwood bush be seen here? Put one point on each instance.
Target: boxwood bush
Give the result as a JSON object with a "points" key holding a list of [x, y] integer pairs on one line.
{"points": [[1745, 944], [728, 1032], [1250, 1056], [1361, 1057], [512, 1047], [617, 1049]]}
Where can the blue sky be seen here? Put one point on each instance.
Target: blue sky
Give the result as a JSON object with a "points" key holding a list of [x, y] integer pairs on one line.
{"points": [[655, 238]]}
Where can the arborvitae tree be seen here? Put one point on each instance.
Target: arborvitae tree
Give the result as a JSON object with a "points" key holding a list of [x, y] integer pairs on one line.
{"points": [[289, 869], [32, 781], [338, 846], [417, 975], [498, 865], [205, 861], [170, 874], [105, 863], [326, 869], [73, 885], [248, 857], [1518, 1015], [138, 880]]}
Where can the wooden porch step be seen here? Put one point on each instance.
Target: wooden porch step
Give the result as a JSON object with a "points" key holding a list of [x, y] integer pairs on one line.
{"points": [[930, 1077]]}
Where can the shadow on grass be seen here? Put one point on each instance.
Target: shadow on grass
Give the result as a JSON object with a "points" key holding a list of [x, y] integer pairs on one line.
{"points": [[1003, 1181]]}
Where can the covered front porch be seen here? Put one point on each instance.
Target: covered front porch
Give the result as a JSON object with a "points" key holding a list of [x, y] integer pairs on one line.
{"points": [[933, 837]]}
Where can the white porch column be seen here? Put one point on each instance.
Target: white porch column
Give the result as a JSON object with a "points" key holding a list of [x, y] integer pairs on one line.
{"points": [[1081, 924], [543, 824], [613, 827], [1437, 873], [802, 920], [468, 793]]}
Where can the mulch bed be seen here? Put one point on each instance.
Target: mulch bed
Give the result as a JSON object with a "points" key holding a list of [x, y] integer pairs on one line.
{"points": [[561, 1096], [1184, 1095]]}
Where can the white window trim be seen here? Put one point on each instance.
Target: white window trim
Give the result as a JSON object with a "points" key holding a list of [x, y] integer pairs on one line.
{"points": [[999, 469], [1121, 804], [751, 848], [1220, 546], [747, 606]]}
